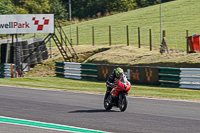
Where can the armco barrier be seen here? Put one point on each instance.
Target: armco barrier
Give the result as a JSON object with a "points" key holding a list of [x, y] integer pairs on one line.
{"points": [[163, 76], [76, 70], [135, 74], [7, 70], [169, 77], [190, 78]]}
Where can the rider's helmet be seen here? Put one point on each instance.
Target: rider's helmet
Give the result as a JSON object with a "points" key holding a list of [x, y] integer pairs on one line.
{"points": [[119, 72]]}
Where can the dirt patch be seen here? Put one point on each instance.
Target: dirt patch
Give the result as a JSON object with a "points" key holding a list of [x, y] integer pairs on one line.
{"points": [[47, 67], [124, 55]]}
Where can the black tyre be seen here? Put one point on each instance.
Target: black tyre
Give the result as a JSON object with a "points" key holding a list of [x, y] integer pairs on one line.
{"points": [[108, 102], [122, 103]]}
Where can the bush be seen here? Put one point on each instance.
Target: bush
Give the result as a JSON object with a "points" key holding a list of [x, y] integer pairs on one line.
{"points": [[7, 7]]}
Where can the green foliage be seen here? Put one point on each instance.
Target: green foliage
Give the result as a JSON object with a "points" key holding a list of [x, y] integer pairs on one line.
{"points": [[80, 8], [86, 8], [145, 3], [121, 5], [59, 10], [6, 7], [37, 6], [56, 7], [90, 8], [21, 10]]}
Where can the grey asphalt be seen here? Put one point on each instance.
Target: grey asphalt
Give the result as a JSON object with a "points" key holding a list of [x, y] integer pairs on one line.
{"points": [[84, 110]]}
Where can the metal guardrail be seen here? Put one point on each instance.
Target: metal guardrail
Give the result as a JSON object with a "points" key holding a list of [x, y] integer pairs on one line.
{"points": [[180, 77], [169, 77], [190, 78], [7, 70], [165, 76], [76, 70]]}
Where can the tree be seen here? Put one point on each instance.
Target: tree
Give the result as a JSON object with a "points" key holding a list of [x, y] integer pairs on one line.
{"points": [[59, 10], [121, 5], [6, 7], [145, 3], [37, 6], [90, 8], [32, 6]]}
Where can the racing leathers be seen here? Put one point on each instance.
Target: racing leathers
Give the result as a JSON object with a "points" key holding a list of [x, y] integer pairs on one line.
{"points": [[111, 80]]}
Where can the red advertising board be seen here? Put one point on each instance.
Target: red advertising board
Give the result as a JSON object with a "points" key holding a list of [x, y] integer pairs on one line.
{"points": [[135, 74]]}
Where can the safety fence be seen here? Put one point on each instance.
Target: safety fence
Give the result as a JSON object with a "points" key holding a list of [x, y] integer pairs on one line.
{"points": [[128, 35], [163, 76], [169, 77], [76, 70], [7, 70], [180, 77], [190, 78], [138, 75]]}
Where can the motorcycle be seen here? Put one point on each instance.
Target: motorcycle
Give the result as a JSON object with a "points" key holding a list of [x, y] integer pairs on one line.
{"points": [[117, 97]]}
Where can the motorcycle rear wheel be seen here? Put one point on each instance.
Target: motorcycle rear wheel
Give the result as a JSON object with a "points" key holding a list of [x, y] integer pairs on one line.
{"points": [[108, 102], [122, 103]]}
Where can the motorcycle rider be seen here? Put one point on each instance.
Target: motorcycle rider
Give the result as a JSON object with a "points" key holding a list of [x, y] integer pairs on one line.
{"points": [[117, 73]]}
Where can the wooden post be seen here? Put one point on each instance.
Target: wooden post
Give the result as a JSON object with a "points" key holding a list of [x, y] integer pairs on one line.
{"points": [[93, 35], [127, 35], [163, 33], [77, 36], [164, 44], [139, 37], [150, 40], [187, 43], [110, 36]]}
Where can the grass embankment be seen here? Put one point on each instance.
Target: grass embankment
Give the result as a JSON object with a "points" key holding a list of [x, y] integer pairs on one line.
{"points": [[177, 17], [99, 87], [118, 54]]}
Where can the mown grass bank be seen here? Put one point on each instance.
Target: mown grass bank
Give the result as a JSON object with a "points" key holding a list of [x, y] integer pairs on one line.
{"points": [[99, 87], [177, 17]]}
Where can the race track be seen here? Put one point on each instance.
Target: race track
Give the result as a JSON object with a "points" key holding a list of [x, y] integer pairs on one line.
{"points": [[85, 110]]}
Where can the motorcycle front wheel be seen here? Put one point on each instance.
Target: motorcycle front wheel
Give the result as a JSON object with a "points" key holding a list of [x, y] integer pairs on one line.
{"points": [[122, 103], [108, 102]]}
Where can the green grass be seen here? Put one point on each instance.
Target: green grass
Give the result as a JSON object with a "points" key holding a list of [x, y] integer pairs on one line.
{"points": [[177, 17], [99, 87]]}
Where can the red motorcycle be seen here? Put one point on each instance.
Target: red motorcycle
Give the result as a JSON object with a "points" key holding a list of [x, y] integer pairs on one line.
{"points": [[117, 96]]}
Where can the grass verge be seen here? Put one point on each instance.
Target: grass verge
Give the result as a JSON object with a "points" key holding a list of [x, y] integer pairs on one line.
{"points": [[99, 87]]}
